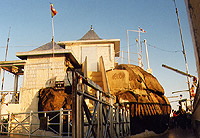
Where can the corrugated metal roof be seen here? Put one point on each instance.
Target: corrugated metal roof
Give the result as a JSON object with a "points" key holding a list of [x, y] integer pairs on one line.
{"points": [[48, 46], [91, 35]]}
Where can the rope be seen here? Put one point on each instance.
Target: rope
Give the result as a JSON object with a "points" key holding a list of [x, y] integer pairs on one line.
{"points": [[171, 51]]}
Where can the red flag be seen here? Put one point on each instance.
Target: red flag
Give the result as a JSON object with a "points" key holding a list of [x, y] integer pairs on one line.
{"points": [[53, 11], [142, 30]]}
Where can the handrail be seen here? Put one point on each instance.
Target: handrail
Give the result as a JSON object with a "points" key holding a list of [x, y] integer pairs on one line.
{"points": [[93, 85]]}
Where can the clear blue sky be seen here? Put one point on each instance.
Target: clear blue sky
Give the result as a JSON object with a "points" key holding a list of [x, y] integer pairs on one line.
{"points": [[30, 23]]}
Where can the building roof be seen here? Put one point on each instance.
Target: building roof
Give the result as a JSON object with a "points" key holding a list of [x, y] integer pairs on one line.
{"points": [[91, 35], [66, 52], [47, 49], [15, 67], [48, 46]]}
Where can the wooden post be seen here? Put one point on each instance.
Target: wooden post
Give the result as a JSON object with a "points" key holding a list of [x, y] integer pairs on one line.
{"points": [[80, 117], [77, 110], [104, 77], [16, 83], [15, 89], [74, 105]]}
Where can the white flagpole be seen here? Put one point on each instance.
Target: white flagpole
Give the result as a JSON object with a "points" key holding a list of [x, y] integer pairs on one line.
{"points": [[53, 35]]}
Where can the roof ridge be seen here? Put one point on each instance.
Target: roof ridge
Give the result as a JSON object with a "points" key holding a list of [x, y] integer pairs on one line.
{"points": [[48, 46], [90, 35]]}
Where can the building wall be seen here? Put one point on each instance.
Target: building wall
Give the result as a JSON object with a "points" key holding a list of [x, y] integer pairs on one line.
{"points": [[40, 72], [95, 51]]}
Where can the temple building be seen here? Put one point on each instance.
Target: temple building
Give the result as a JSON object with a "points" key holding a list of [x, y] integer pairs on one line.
{"points": [[45, 65]]}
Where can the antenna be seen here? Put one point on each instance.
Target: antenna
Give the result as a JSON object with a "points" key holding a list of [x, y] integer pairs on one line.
{"points": [[6, 57], [140, 30], [188, 79]]}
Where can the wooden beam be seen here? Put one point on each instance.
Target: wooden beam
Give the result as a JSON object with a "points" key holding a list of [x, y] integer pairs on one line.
{"points": [[104, 77], [178, 71]]}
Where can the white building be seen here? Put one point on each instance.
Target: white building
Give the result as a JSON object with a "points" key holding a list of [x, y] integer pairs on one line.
{"points": [[92, 46], [41, 69]]}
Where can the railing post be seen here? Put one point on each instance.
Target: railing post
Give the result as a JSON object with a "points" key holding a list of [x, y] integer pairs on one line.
{"points": [[61, 123], [121, 123], [111, 118], [1, 125], [129, 122], [68, 115], [79, 108], [80, 111], [30, 123], [9, 122], [117, 120], [98, 116], [125, 121], [47, 122]]}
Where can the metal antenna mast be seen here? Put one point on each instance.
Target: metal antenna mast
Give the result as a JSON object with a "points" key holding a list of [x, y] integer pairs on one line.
{"points": [[188, 79], [5, 58], [138, 31]]}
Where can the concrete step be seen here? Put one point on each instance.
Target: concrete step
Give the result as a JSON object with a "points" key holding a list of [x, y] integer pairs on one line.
{"points": [[96, 77]]}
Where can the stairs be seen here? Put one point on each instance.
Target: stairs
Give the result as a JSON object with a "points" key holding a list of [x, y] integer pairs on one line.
{"points": [[96, 77]]}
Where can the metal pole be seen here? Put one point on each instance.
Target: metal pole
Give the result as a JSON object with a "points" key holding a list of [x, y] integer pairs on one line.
{"points": [[68, 115], [61, 123], [128, 48], [9, 122], [140, 62], [48, 122], [111, 118], [117, 120], [101, 115], [30, 123], [122, 57], [53, 35], [74, 104], [129, 121], [6, 57], [98, 116], [138, 51], [147, 57], [188, 79]]}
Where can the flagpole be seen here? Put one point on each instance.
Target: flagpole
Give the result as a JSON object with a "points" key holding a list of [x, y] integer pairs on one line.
{"points": [[140, 59], [53, 35]]}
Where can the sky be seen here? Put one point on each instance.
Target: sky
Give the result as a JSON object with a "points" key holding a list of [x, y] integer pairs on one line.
{"points": [[31, 27]]}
